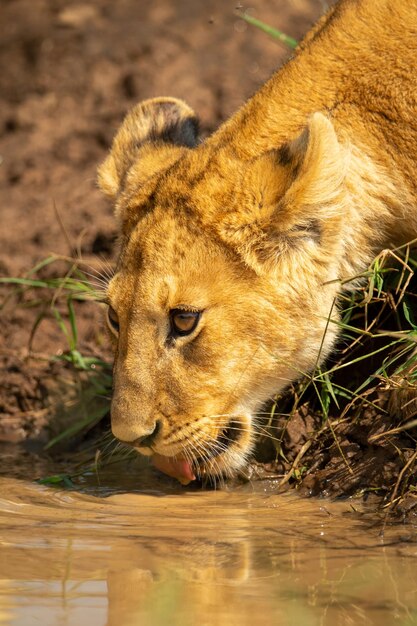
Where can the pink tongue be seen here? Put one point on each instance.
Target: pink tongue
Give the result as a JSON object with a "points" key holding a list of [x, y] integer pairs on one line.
{"points": [[177, 468]]}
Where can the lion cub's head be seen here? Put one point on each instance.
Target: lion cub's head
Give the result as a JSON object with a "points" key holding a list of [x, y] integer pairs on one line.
{"points": [[221, 294]]}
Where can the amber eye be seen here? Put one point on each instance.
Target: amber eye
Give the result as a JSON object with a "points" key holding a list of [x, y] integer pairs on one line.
{"points": [[113, 320], [183, 322]]}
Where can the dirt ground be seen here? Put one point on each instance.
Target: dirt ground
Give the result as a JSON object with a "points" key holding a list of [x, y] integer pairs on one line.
{"points": [[69, 72]]}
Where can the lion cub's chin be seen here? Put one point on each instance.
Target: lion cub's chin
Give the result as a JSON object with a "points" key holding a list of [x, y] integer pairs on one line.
{"points": [[224, 458]]}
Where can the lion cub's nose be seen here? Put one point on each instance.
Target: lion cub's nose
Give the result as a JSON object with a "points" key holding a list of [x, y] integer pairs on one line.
{"points": [[146, 441], [130, 435]]}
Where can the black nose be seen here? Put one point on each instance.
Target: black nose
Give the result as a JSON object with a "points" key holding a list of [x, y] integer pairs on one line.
{"points": [[148, 440]]}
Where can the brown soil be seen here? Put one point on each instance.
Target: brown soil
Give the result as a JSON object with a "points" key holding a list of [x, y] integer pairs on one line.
{"points": [[69, 72]]}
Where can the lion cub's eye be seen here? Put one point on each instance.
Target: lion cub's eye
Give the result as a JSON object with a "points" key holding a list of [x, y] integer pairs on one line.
{"points": [[183, 322], [113, 320]]}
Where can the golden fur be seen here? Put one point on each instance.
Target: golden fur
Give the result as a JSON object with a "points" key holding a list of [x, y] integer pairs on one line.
{"points": [[255, 229]]}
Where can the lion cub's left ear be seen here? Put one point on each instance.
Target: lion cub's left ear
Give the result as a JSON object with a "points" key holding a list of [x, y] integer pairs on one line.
{"points": [[300, 199], [155, 129]]}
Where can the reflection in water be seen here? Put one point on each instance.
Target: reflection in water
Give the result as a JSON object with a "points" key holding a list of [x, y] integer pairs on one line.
{"points": [[198, 558]]}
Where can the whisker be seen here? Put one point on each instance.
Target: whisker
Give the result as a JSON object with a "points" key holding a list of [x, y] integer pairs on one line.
{"points": [[107, 273], [260, 430], [206, 446], [102, 280], [213, 448]]}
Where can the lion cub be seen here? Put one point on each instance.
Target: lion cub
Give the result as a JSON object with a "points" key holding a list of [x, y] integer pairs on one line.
{"points": [[233, 250]]}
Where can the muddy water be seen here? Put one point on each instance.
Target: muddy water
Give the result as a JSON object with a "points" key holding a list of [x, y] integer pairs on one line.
{"points": [[198, 557]]}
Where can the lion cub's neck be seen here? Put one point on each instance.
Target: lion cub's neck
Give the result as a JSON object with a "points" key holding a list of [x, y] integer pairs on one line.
{"points": [[381, 212]]}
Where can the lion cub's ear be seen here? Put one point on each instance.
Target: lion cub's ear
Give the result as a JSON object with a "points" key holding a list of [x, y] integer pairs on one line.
{"points": [[152, 124], [299, 195], [320, 165]]}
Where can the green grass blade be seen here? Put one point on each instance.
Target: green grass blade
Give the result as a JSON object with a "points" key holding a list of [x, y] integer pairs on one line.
{"points": [[269, 30], [73, 324], [26, 282], [56, 480], [408, 314], [74, 429], [42, 264]]}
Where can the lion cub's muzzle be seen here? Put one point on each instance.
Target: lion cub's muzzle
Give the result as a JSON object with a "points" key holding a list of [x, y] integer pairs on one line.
{"points": [[207, 448], [227, 436], [148, 440]]}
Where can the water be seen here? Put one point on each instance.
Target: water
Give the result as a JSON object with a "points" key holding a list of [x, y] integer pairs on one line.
{"points": [[246, 556]]}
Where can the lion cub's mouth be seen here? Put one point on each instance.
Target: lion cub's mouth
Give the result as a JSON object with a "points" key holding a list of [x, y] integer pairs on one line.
{"points": [[175, 467], [218, 460], [227, 436]]}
